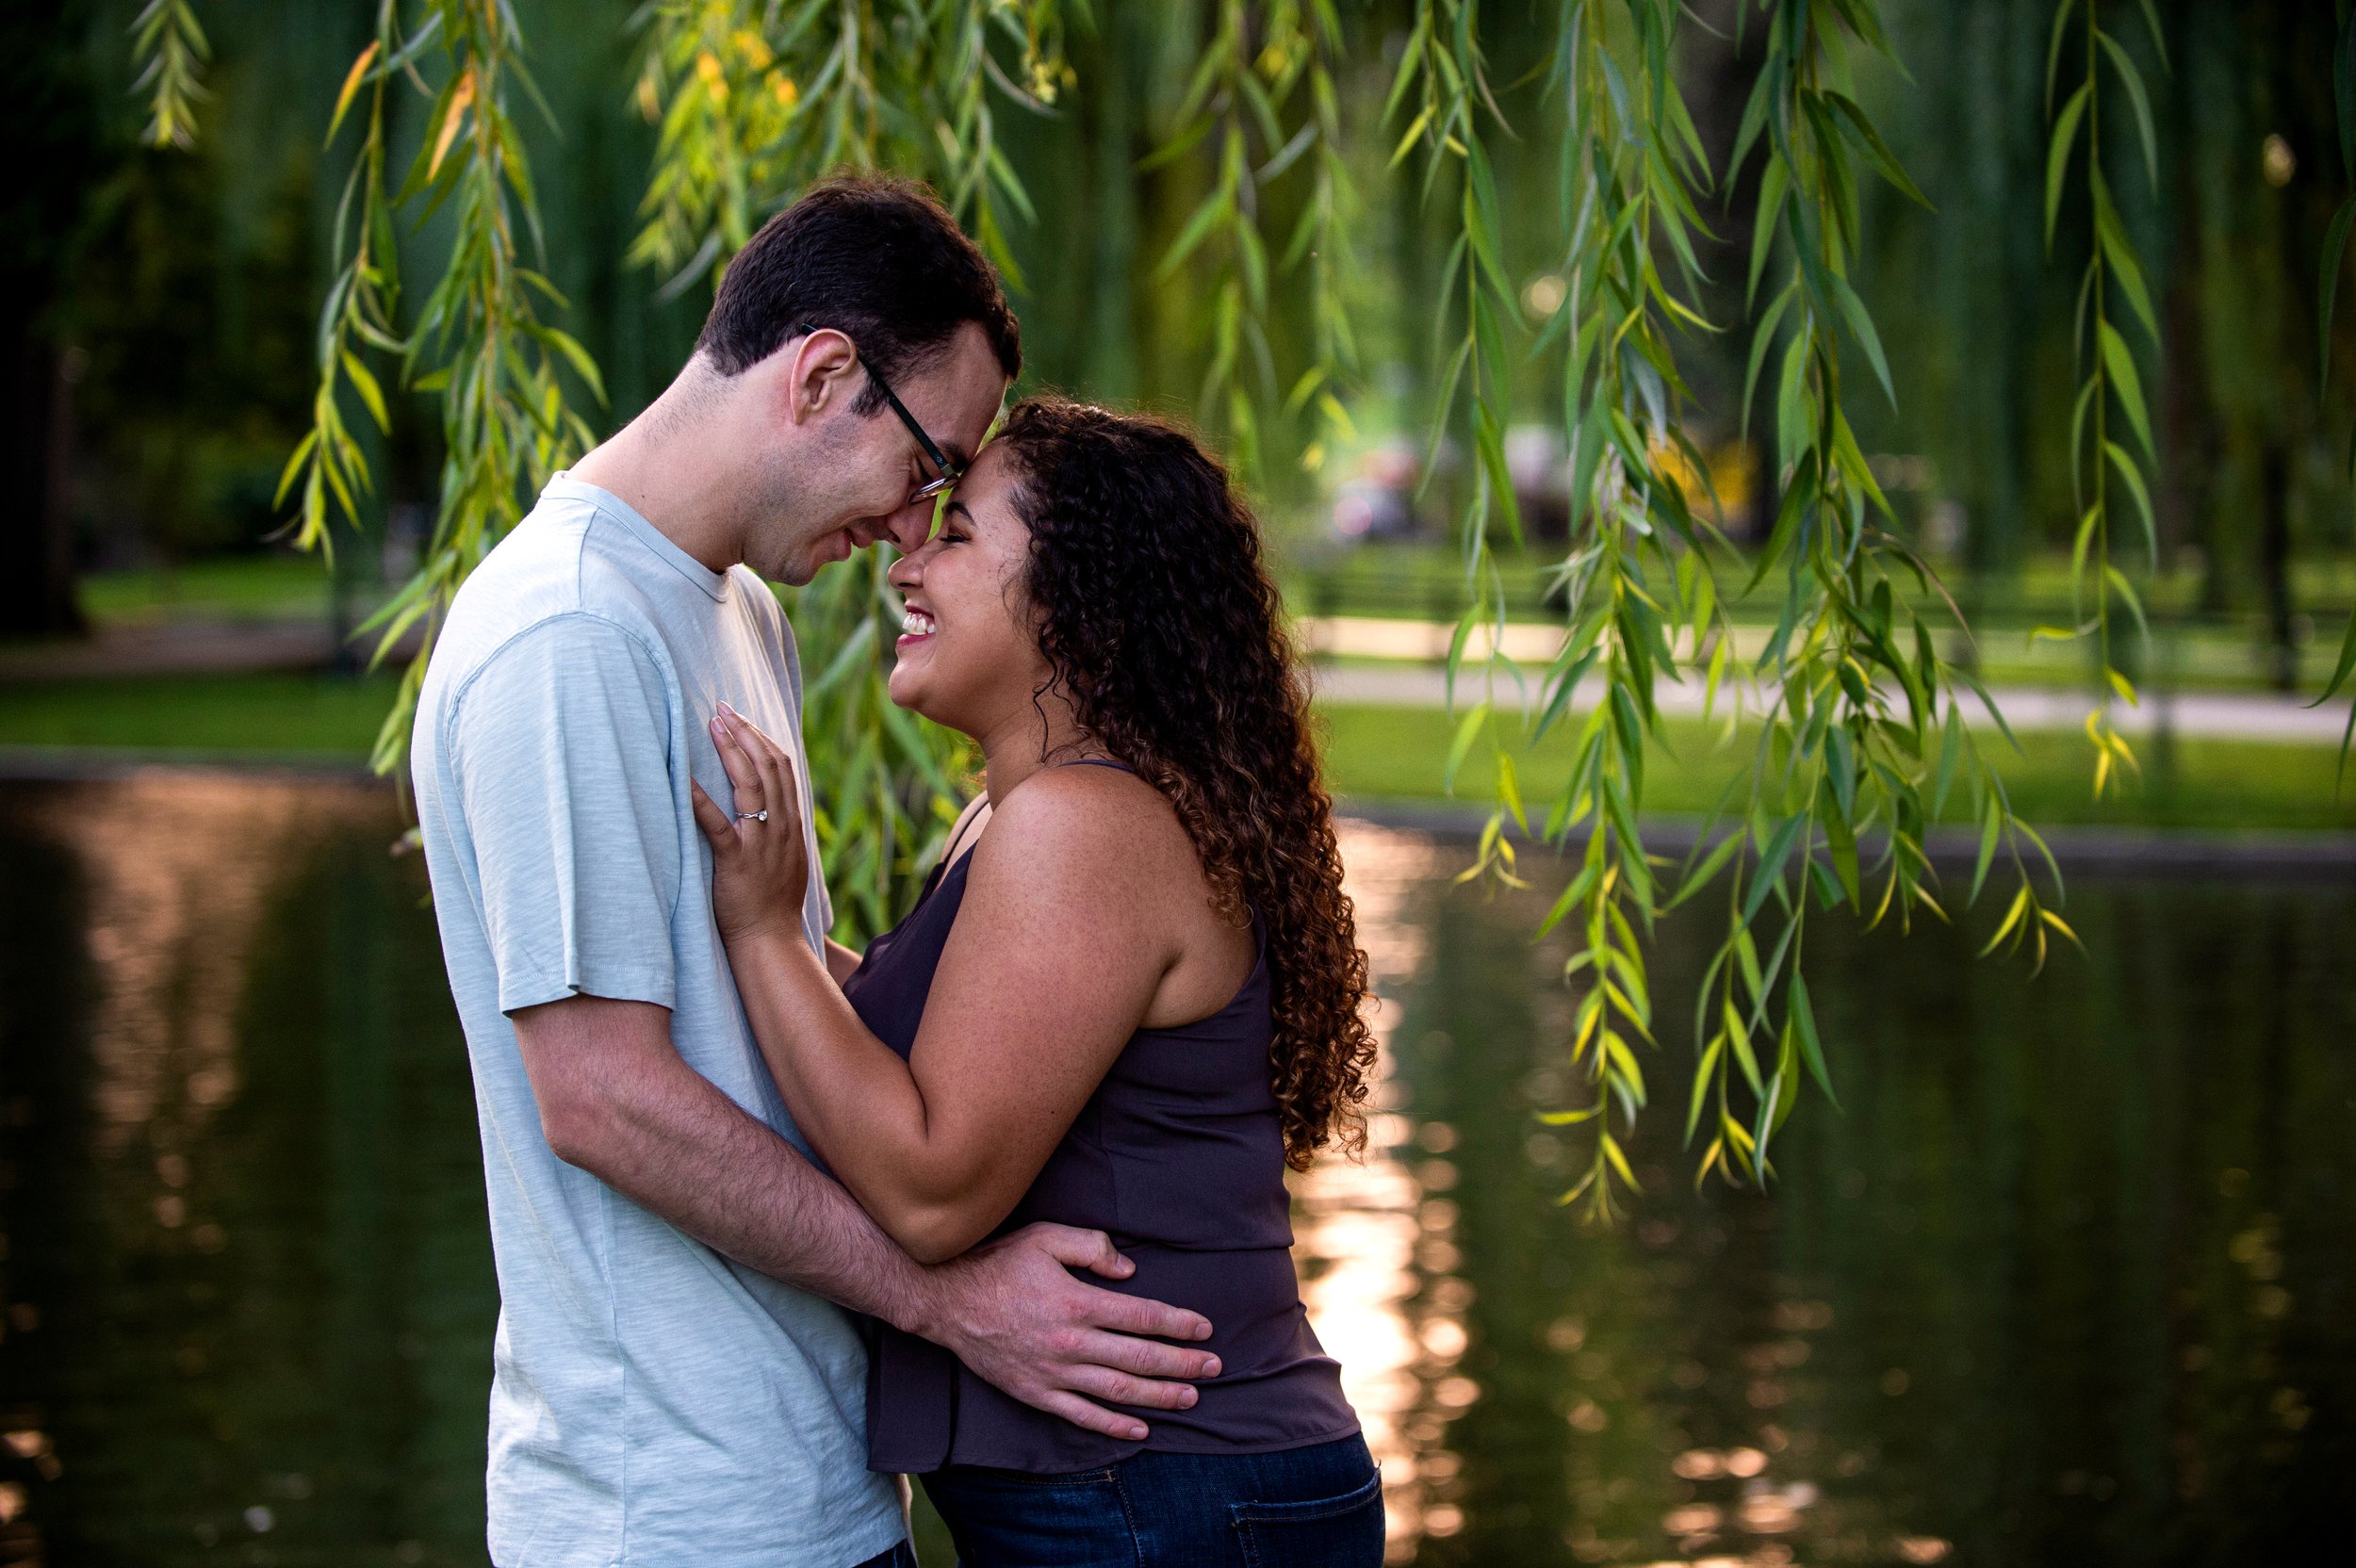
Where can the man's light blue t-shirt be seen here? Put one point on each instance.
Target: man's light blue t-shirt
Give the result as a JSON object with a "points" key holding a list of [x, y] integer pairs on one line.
{"points": [[652, 1403]]}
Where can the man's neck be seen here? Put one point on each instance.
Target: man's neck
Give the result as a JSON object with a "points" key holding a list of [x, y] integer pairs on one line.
{"points": [[673, 474]]}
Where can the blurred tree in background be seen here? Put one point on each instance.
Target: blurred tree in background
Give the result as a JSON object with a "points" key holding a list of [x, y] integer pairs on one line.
{"points": [[1927, 282]]}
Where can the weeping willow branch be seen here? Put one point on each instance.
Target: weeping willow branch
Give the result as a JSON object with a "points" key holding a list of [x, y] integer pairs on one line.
{"points": [[1639, 593], [1443, 75], [1864, 732], [2110, 379], [1860, 736], [479, 343], [169, 47], [1237, 101]]}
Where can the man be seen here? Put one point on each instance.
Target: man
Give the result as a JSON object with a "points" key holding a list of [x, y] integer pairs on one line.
{"points": [[664, 1391]]}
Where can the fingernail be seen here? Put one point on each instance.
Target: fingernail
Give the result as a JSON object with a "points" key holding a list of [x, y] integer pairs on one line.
{"points": [[1210, 1366], [726, 709], [1187, 1399], [1137, 1434]]}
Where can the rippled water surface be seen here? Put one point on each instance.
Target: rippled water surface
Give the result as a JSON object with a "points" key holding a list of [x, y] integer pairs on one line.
{"points": [[2071, 1281]]}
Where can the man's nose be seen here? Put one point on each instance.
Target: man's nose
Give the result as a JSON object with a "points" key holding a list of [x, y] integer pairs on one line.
{"points": [[911, 525]]}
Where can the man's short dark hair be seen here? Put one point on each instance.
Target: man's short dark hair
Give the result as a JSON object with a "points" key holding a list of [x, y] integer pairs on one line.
{"points": [[876, 258]]}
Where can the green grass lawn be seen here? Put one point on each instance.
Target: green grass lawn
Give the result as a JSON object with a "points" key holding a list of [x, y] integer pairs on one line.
{"points": [[277, 712], [2219, 786], [236, 588], [1371, 752]]}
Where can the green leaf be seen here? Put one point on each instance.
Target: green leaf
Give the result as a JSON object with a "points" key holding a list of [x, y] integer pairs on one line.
{"points": [[2334, 257], [1467, 732], [365, 383], [1701, 1085], [1878, 150], [576, 356], [1803, 1013], [2142, 103], [2057, 156], [2018, 907], [2340, 671], [1177, 147], [2127, 387], [2159, 40], [1841, 841], [1214, 206], [1701, 876], [1862, 324], [1773, 187], [1949, 752], [1761, 340], [2125, 464], [2111, 236], [1577, 888], [2052, 49], [1992, 817], [1770, 861], [311, 439]]}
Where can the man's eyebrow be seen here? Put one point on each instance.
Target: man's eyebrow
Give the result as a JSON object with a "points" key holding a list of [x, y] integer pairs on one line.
{"points": [[959, 457]]}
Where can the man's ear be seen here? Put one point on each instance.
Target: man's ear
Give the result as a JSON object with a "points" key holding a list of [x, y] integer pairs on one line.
{"points": [[820, 372]]}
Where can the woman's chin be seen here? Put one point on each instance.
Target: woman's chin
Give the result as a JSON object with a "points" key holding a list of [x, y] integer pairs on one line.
{"points": [[907, 692]]}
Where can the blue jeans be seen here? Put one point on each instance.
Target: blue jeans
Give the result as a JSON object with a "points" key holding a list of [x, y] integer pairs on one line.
{"points": [[1319, 1506]]}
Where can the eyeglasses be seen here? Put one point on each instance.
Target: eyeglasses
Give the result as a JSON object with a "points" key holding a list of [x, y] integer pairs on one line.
{"points": [[949, 473]]}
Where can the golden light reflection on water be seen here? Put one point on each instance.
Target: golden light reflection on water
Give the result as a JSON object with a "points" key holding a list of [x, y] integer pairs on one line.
{"points": [[178, 868], [1375, 1247], [1378, 1250]]}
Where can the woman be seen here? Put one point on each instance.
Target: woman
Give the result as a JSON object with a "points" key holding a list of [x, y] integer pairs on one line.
{"points": [[1127, 1000]]}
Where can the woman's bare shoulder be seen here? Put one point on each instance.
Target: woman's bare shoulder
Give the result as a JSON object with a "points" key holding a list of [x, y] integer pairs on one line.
{"points": [[1097, 821]]}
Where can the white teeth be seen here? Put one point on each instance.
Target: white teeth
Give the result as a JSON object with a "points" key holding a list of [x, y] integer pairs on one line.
{"points": [[915, 623]]}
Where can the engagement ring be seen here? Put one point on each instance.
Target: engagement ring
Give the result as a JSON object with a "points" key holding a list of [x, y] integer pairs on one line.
{"points": [[752, 816]]}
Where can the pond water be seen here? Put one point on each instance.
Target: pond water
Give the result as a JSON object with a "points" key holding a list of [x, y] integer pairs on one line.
{"points": [[2071, 1281]]}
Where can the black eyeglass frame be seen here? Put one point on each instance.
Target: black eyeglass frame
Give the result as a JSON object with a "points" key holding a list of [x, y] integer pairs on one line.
{"points": [[949, 473]]}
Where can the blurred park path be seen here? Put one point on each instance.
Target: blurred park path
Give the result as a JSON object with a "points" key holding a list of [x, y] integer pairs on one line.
{"points": [[191, 647], [1393, 664], [1398, 664], [2219, 715]]}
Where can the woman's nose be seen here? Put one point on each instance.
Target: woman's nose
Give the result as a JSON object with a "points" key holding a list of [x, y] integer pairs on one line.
{"points": [[904, 572]]}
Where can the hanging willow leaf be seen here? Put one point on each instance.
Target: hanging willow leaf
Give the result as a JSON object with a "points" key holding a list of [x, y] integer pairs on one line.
{"points": [[170, 48], [2110, 377], [2057, 154]]}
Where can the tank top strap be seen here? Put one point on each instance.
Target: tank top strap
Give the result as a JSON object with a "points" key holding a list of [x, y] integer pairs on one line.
{"points": [[1097, 763]]}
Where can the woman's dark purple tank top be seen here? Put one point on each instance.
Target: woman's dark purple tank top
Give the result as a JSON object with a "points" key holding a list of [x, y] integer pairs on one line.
{"points": [[1180, 1158]]}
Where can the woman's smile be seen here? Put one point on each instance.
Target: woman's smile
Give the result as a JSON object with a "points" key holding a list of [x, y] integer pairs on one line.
{"points": [[916, 625]]}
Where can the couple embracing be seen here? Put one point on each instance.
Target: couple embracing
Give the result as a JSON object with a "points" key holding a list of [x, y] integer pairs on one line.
{"points": [[1034, 1140]]}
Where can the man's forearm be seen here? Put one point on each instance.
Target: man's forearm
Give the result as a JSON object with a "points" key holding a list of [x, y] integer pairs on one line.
{"points": [[676, 1145], [616, 1101]]}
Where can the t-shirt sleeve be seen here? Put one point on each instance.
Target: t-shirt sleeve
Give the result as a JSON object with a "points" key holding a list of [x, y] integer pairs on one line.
{"points": [[559, 747]]}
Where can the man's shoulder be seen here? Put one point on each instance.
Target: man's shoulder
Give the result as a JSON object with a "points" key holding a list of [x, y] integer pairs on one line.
{"points": [[547, 583]]}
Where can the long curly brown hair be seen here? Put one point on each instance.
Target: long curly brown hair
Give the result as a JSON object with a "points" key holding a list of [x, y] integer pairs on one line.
{"points": [[1166, 633]]}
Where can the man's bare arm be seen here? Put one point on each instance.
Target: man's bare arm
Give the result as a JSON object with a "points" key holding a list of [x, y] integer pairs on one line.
{"points": [[616, 1101], [840, 961]]}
